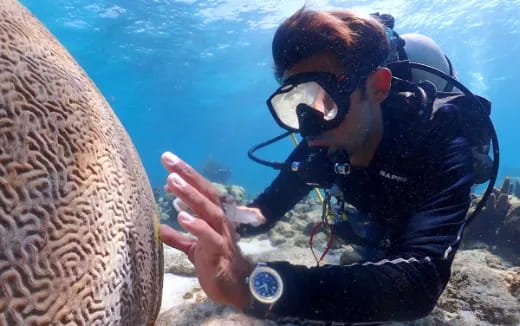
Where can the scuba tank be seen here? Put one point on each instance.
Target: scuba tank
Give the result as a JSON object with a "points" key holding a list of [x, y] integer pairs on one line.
{"points": [[417, 62]]}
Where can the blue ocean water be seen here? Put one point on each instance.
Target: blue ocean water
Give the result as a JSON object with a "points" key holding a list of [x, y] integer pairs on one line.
{"points": [[192, 76]]}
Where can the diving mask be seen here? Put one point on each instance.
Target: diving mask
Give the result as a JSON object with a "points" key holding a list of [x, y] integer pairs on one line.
{"points": [[310, 103]]}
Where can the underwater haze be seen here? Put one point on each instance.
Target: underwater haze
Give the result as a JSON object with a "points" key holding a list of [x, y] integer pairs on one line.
{"points": [[192, 76]]}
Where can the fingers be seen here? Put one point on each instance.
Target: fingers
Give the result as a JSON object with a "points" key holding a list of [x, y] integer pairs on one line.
{"points": [[180, 206], [174, 164], [210, 239], [200, 204], [175, 239]]}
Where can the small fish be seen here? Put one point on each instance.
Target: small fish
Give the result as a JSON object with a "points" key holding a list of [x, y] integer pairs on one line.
{"points": [[236, 215]]}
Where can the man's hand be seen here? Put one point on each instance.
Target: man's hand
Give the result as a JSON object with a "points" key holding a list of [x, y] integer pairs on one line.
{"points": [[219, 264]]}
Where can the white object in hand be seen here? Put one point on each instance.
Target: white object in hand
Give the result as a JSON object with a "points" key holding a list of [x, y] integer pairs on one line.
{"points": [[236, 215]]}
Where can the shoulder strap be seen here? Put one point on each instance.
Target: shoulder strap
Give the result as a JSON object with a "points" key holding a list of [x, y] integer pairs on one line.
{"points": [[466, 103]]}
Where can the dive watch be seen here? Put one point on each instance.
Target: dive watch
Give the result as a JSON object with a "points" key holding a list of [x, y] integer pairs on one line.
{"points": [[266, 287]]}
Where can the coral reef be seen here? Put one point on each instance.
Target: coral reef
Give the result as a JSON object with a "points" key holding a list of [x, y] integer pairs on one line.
{"points": [[166, 209], [176, 262], [515, 187], [164, 204], [207, 313], [513, 282], [497, 227], [484, 288], [79, 241], [478, 290], [294, 228], [479, 293]]}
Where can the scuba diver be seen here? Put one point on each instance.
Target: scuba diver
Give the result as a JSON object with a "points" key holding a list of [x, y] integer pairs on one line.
{"points": [[397, 146]]}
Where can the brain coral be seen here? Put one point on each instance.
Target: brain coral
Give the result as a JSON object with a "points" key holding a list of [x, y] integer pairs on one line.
{"points": [[78, 224]]}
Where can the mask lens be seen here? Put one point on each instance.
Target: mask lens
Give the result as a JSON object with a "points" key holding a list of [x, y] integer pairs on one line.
{"points": [[287, 99]]}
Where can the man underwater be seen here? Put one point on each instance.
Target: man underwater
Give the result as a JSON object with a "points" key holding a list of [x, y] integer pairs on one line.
{"points": [[408, 176]]}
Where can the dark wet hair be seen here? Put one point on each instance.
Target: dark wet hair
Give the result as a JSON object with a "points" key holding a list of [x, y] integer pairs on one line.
{"points": [[358, 42]]}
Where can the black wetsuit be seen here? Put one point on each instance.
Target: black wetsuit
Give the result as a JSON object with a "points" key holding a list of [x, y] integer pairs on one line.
{"points": [[417, 188]]}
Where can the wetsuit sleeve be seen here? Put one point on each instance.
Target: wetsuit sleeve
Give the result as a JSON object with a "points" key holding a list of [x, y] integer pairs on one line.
{"points": [[405, 285], [281, 196]]}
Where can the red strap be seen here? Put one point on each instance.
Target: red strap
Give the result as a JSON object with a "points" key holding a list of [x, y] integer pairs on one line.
{"points": [[329, 243]]}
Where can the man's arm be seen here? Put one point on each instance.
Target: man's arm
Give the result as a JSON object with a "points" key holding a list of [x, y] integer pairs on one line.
{"points": [[407, 284], [283, 193]]}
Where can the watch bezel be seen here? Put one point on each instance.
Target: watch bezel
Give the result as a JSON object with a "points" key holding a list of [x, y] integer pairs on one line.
{"points": [[266, 269]]}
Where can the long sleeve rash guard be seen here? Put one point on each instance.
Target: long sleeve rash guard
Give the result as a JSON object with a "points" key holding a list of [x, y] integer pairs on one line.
{"points": [[417, 187]]}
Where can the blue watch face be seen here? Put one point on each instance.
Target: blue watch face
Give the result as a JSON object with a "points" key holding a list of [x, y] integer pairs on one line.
{"points": [[266, 284]]}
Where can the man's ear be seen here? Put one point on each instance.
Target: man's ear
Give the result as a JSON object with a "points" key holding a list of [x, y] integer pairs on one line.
{"points": [[379, 83]]}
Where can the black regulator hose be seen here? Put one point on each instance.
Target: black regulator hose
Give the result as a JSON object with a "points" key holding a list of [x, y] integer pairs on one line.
{"points": [[274, 165], [494, 138]]}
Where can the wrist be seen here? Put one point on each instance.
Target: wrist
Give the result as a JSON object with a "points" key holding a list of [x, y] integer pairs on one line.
{"points": [[243, 298]]}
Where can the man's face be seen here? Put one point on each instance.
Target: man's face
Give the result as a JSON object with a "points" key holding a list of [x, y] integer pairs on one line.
{"points": [[352, 133]]}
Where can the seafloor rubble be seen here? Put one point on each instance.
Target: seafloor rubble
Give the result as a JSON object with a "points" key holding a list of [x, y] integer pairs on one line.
{"points": [[484, 288]]}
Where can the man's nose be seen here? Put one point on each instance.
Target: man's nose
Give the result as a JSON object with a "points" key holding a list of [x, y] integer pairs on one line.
{"points": [[319, 101]]}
